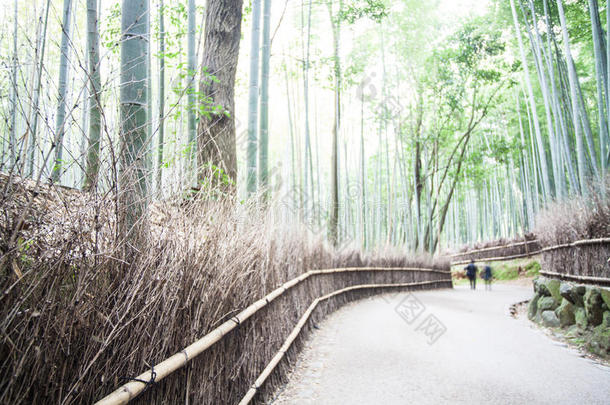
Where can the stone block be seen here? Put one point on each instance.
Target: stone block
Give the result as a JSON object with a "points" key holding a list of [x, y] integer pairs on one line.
{"points": [[566, 289], [553, 286], [599, 342], [605, 293], [550, 319], [593, 306], [565, 313], [580, 317], [547, 304]]}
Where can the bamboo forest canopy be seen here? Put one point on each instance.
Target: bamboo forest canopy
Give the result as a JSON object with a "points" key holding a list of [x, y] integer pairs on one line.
{"points": [[423, 124]]}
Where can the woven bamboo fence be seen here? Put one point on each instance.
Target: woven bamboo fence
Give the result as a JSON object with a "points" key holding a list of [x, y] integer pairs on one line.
{"points": [[496, 253], [584, 261], [274, 325]]}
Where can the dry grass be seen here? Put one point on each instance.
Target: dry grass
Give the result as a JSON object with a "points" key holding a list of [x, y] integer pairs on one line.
{"points": [[78, 316], [577, 219]]}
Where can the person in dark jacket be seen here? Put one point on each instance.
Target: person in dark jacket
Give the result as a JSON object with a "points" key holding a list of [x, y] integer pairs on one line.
{"points": [[471, 273], [487, 276]]}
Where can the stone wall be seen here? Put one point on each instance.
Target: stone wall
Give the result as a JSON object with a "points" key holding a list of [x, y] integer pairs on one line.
{"points": [[582, 311]]}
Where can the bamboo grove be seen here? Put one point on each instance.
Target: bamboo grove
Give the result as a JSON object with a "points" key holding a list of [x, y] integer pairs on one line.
{"points": [[370, 121]]}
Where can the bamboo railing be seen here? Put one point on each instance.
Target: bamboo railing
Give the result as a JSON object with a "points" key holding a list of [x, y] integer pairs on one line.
{"points": [[491, 248], [497, 259], [303, 321], [603, 281], [584, 242], [132, 389]]}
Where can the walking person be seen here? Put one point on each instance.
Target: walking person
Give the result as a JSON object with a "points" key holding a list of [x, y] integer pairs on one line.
{"points": [[471, 273], [487, 276]]}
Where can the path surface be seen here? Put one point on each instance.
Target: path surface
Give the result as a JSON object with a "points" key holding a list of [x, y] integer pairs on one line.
{"points": [[370, 353]]}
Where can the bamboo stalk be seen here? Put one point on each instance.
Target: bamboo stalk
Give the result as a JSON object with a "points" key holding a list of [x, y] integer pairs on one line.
{"points": [[132, 389], [299, 326]]}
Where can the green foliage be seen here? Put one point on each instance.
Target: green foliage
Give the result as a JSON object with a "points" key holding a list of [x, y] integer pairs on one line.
{"points": [[357, 9], [505, 272], [532, 269], [204, 105], [216, 185], [23, 250], [110, 30], [176, 14], [511, 270]]}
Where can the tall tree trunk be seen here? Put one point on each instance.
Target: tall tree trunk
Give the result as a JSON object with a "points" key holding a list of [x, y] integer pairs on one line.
{"points": [[60, 123], [84, 138], [291, 130], [601, 78], [542, 155], [149, 105], [253, 96], [417, 169], [580, 151], [560, 119], [308, 169], [12, 143], [536, 42], [93, 50], [586, 124], [563, 99], [445, 207], [334, 199], [317, 206], [607, 88], [32, 80], [133, 108], [362, 176], [216, 132], [34, 116], [192, 71], [161, 138], [525, 170], [263, 145]]}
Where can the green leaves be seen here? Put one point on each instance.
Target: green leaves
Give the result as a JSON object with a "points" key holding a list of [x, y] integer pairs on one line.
{"points": [[357, 9], [110, 33]]}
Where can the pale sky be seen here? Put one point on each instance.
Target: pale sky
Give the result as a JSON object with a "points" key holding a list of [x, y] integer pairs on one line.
{"points": [[461, 8]]}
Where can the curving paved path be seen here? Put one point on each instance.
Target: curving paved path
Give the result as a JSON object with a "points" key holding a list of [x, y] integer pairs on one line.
{"points": [[380, 351]]}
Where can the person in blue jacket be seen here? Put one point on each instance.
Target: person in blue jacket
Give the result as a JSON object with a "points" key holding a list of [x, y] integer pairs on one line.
{"points": [[487, 276], [471, 273]]}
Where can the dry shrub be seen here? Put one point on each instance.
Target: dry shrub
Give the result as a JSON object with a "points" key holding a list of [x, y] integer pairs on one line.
{"points": [[576, 219], [79, 318]]}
